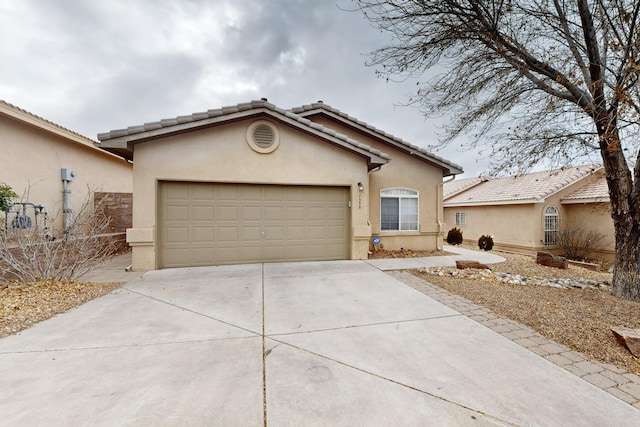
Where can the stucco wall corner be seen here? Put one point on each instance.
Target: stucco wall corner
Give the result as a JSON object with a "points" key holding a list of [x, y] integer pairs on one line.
{"points": [[361, 232], [140, 236]]}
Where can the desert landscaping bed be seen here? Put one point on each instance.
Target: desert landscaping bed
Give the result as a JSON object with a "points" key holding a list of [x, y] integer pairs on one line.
{"points": [[23, 305], [580, 318]]}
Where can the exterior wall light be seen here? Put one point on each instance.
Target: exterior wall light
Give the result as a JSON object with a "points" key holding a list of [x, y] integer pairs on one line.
{"points": [[360, 187]]}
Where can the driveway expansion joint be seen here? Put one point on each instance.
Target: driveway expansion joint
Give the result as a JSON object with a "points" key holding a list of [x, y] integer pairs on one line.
{"points": [[364, 325]]}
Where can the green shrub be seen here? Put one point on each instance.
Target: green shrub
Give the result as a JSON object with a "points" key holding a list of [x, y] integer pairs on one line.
{"points": [[485, 243], [6, 196], [454, 236]]}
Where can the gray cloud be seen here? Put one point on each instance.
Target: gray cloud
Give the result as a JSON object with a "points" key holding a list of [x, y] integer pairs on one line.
{"points": [[97, 66]]}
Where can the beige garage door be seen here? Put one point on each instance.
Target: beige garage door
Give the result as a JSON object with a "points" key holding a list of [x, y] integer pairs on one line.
{"points": [[213, 224]]}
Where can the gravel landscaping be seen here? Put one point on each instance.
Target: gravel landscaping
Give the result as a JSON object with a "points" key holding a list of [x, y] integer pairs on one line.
{"points": [[23, 305], [572, 307]]}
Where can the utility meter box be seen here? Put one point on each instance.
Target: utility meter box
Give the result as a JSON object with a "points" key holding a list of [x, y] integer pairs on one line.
{"points": [[67, 174]]}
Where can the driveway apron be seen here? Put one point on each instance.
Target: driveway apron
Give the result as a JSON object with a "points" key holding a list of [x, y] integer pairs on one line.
{"points": [[322, 343]]}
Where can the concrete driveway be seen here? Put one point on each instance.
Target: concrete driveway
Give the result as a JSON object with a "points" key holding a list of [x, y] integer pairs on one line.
{"points": [[324, 343]]}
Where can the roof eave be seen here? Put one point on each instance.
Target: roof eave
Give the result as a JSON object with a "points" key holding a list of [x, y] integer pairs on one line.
{"points": [[448, 168], [126, 142], [585, 201], [493, 203], [44, 125]]}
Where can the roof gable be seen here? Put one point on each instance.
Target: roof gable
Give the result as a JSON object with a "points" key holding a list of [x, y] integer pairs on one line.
{"points": [[448, 168], [30, 119], [122, 141], [530, 188], [596, 191], [451, 188]]}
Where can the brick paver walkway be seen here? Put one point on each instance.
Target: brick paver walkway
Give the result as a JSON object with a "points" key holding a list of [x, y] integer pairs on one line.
{"points": [[616, 381]]}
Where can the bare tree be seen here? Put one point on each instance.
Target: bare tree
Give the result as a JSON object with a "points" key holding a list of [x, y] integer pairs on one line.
{"points": [[546, 79], [31, 254]]}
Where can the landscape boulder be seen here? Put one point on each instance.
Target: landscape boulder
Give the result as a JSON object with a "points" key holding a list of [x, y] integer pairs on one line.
{"points": [[551, 260], [461, 265], [630, 338]]}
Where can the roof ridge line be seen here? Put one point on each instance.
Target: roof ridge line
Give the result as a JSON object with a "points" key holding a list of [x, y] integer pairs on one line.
{"points": [[35, 116]]}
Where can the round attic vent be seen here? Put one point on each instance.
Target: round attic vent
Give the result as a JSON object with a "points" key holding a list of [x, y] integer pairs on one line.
{"points": [[262, 136]]}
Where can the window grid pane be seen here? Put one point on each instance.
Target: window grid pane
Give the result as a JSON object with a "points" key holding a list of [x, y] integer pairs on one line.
{"points": [[389, 213], [551, 220], [461, 219], [408, 214]]}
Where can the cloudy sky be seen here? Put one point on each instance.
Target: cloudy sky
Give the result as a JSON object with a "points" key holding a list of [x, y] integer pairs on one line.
{"points": [[95, 66]]}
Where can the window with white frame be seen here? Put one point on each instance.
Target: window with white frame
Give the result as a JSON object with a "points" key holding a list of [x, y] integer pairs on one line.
{"points": [[551, 224], [461, 219], [399, 209]]}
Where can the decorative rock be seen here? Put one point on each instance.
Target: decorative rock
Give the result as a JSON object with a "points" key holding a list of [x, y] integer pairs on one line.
{"points": [[461, 265], [551, 260], [630, 338], [516, 279]]}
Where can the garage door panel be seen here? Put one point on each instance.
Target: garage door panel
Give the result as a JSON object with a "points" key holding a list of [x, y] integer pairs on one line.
{"points": [[227, 193], [177, 213], [203, 213], [202, 234], [227, 234], [177, 235], [211, 224], [251, 193], [201, 193], [251, 213], [201, 256], [335, 213], [315, 213], [274, 213], [227, 212]]}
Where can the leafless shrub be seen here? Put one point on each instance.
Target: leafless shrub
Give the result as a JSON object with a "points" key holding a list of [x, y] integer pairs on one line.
{"points": [[31, 255], [577, 244]]}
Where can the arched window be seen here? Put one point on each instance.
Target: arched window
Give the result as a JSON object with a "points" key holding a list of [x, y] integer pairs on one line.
{"points": [[399, 209], [551, 224]]}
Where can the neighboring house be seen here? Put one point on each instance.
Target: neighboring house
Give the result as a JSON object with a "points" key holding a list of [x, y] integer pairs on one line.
{"points": [[37, 154], [257, 183], [525, 213]]}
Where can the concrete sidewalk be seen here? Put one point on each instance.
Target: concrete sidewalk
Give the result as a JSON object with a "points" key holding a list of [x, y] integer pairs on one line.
{"points": [[436, 261], [323, 343]]}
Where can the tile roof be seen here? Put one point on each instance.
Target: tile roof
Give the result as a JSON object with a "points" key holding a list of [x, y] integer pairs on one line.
{"points": [[118, 140], [595, 191], [529, 188], [451, 188], [31, 119], [321, 107]]}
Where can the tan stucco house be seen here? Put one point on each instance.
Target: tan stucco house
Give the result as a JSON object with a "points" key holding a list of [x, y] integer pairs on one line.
{"points": [[257, 183], [525, 213], [38, 156]]}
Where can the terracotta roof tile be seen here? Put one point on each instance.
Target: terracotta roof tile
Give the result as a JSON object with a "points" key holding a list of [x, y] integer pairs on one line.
{"points": [[529, 188], [451, 188], [596, 190], [321, 106], [132, 132]]}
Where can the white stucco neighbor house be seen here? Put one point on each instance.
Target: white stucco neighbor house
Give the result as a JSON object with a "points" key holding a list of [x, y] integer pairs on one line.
{"points": [[257, 183]]}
